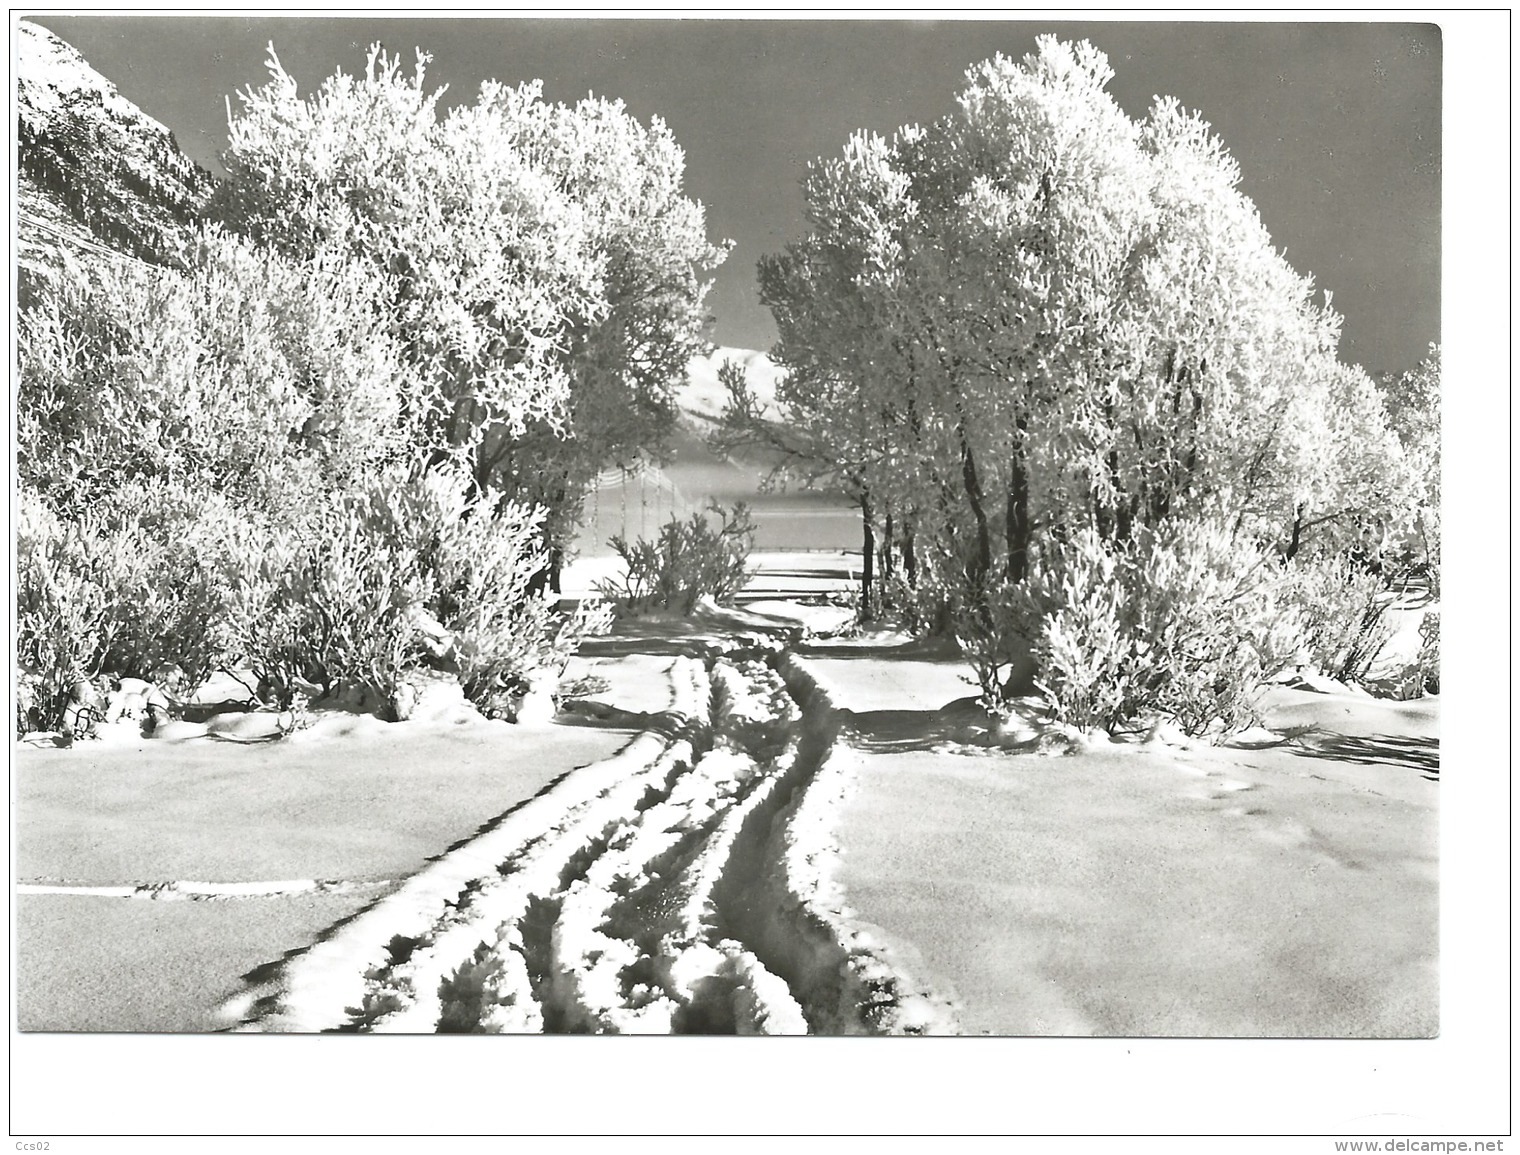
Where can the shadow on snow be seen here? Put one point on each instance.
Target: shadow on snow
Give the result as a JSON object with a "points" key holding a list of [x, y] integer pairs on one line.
{"points": [[1411, 753]]}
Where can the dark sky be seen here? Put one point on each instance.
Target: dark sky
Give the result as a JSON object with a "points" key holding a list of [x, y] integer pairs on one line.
{"points": [[1337, 127]]}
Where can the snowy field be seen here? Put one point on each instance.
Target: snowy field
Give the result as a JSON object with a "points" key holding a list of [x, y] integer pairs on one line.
{"points": [[1277, 887], [173, 867], [742, 827]]}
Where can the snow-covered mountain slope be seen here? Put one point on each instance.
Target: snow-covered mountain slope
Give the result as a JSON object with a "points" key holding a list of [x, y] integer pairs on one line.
{"points": [[95, 171]]}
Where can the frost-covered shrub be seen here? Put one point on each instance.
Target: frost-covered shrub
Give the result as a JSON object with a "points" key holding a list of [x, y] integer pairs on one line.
{"points": [[926, 606], [1087, 647], [1344, 613], [86, 406], [1184, 621], [176, 612], [410, 571], [137, 583], [359, 583], [1213, 624], [559, 643], [690, 560], [62, 617], [267, 619], [1430, 653], [992, 629], [245, 374], [488, 553]]}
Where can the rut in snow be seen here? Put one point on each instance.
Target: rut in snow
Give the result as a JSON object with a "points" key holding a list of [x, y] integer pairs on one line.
{"points": [[632, 947], [681, 886], [351, 979], [485, 966], [780, 896], [604, 924]]}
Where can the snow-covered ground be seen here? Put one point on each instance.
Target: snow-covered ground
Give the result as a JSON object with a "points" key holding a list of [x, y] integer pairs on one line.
{"points": [[264, 845], [743, 826], [1284, 884], [1144, 890]]}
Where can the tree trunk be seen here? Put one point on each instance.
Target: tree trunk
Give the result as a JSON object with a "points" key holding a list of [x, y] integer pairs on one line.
{"points": [[539, 582], [867, 558], [1018, 512], [981, 563], [1102, 521], [1296, 539], [548, 578], [1124, 506]]}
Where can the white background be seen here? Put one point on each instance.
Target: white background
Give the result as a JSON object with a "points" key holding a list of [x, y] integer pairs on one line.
{"points": [[1454, 1085]]}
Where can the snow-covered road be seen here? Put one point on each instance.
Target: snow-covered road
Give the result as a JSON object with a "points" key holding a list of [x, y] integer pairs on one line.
{"points": [[684, 885]]}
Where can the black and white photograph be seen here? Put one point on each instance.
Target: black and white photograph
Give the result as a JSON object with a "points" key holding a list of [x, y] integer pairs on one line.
{"points": [[732, 526]]}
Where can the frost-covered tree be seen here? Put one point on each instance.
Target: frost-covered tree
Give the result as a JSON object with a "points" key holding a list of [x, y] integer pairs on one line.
{"points": [[545, 264], [1041, 314], [266, 380], [649, 243], [1413, 400], [848, 399], [1038, 317]]}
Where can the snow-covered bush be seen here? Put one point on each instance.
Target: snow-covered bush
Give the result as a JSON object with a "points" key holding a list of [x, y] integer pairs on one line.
{"points": [[992, 627], [1344, 613], [62, 613], [333, 599], [1085, 642], [488, 554], [245, 374], [266, 616], [360, 583], [1429, 663], [140, 582], [176, 421], [410, 571], [690, 560], [1183, 621], [172, 609]]}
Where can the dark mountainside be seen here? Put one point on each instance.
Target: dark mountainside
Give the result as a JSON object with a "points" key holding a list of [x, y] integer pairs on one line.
{"points": [[95, 173]]}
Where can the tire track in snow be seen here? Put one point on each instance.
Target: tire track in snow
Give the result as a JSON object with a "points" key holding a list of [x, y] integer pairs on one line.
{"points": [[479, 969], [339, 982], [633, 948], [683, 885], [603, 921], [790, 906]]}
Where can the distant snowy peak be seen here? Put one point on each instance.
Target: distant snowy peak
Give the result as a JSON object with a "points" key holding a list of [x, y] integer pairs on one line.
{"points": [[89, 156], [704, 397], [752, 359]]}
